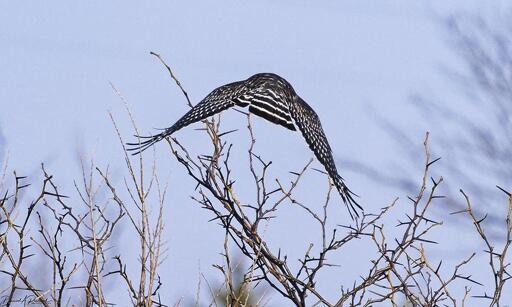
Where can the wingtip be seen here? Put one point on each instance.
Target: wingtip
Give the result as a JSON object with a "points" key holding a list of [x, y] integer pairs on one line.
{"points": [[347, 196], [352, 205], [138, 147]]}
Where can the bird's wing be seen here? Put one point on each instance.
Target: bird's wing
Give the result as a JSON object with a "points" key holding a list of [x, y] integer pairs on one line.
{"points": [[263, 100], [218, 100], [309, 125]]}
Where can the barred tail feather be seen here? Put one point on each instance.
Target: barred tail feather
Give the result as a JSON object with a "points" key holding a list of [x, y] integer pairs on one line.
{"points": [[348, 197]]}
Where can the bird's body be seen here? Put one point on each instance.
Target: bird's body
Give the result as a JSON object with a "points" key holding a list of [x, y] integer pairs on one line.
{"points": [[273, 98]]}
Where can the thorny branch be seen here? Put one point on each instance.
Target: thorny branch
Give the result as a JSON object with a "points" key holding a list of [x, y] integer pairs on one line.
{"points": [[401, 269]]}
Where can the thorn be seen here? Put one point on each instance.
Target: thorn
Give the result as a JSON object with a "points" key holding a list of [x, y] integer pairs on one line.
{"points": [[504, 191], [432, 162]]}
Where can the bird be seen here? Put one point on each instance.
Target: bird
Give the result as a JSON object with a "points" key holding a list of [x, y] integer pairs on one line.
{"points": [[273, 98]]}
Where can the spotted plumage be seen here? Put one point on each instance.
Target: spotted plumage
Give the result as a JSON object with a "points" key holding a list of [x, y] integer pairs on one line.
{"points": [[273, 98]]}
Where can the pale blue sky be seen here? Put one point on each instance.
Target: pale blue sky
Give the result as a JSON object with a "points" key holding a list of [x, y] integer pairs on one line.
{"points": [[348, 59]]}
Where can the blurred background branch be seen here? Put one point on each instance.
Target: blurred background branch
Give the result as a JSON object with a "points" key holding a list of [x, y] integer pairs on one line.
{"points": [[472, 127]]}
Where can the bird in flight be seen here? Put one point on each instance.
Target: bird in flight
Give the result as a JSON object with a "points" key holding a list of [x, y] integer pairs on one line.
{"points": [[273, 98]]}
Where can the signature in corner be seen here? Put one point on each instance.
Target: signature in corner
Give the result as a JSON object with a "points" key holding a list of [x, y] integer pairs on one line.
{"points": [[25, 300]]}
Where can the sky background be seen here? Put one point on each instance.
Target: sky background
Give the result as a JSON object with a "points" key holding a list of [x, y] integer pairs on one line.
{"points": [[352, 61]]}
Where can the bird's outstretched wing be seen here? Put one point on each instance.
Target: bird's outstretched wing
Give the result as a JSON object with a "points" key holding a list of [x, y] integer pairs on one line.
{"points": [[259, 92], [218, 100], [309, 125]]}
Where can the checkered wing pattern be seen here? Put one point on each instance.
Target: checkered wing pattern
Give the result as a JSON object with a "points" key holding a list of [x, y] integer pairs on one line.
{"points": [[218, 100]]}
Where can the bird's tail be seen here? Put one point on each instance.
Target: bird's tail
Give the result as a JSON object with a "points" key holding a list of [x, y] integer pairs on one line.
{"points": [[348, 197]]}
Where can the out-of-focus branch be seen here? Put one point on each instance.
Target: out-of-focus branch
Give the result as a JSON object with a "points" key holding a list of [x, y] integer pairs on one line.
{"points": [[471, 120]]}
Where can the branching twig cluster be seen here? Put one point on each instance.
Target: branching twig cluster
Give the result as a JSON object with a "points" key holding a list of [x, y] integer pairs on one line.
{"points": [[57, 251], [402, 269]]}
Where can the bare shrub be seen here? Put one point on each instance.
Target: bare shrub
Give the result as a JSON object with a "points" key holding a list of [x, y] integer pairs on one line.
{"points": [[75, 238]]}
